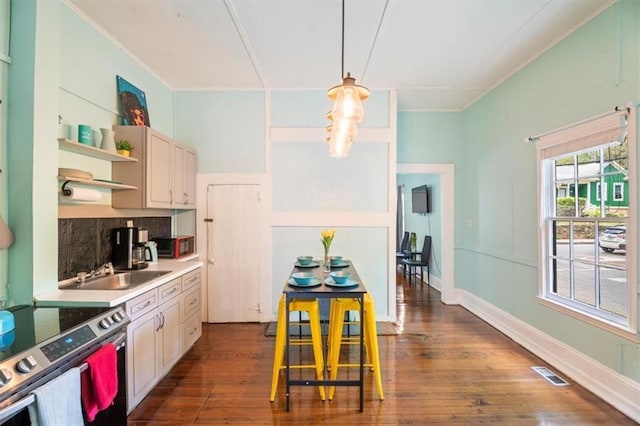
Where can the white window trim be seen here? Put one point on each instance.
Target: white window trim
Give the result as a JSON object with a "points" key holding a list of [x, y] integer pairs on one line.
{"points": [[577, 137], [598, 191], [621, 186]]}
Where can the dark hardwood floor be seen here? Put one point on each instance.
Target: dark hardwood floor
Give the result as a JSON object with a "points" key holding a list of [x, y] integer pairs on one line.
{"points": [[444, 366]]}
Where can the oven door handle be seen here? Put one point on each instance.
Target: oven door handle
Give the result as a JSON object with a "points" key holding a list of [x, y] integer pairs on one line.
{"points": [[8, 412], [119, 340]]}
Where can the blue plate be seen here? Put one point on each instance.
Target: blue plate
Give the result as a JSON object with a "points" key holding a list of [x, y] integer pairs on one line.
{"points": [[341, 264], [350, 282], [313, 264], [315, 281]]}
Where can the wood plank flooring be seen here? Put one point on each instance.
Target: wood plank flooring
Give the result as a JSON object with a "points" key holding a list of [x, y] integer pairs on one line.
{"points": [[445, 366]]}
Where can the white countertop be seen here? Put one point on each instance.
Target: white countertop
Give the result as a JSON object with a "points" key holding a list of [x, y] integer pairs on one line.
{"points": [[75, 297]]}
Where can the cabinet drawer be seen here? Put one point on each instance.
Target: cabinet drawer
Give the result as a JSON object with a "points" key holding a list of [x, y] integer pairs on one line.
{"points": [[190, 302], [192, 330], [142, 304], [191, 279], [170, 290]]}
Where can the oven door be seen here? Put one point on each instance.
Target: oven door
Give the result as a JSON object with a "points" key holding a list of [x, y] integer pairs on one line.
{"points": [[18, 414]]}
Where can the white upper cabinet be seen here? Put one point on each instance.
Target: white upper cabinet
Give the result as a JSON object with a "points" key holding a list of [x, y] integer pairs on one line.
{"points": [[184, 184], [164, 174]]}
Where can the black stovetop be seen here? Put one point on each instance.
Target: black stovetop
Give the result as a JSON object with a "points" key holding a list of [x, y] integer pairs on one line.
{"points": [[35, 325]]}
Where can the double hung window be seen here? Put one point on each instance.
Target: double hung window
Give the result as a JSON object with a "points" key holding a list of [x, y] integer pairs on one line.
{"points": [[587, 225]]}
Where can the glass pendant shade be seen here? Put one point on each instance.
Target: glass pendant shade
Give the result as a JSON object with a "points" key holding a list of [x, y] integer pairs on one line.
{"points": [[342, 133], [348, 104], [347, 99], [340, 147], [342, 128]]}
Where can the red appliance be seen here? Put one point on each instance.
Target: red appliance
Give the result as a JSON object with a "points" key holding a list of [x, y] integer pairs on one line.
{"points": [[176, 247]]}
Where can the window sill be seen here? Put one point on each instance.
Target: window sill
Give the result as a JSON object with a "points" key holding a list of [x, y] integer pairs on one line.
{"points": [[619, 330]]}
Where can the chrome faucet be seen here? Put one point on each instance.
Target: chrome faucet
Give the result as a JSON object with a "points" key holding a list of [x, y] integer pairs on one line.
{"points": [[106, 269]]}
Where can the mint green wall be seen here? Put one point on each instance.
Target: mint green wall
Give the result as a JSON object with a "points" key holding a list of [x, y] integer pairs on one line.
{"points": [[429, 137], [425, 224], [4, 72], [32, 125], [226, 127], [305, 178], [590, 72], [89, 63], [60, 66]]}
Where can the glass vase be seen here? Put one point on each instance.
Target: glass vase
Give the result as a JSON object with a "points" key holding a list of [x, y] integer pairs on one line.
{"points": [[326, 263]]}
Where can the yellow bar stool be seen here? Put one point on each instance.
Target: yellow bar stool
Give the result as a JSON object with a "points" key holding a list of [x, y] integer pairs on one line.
{"points": [[335, 339], [312, 308]]}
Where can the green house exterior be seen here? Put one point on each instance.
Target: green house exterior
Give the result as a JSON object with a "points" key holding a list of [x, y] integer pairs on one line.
{"points": [[616, 188], [615, 181]]}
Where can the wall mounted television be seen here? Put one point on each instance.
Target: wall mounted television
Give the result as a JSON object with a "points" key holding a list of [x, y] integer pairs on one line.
{"points": [[420, 202]]}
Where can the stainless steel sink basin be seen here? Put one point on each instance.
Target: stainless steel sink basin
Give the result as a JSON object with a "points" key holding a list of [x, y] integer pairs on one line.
{"points": [[119, 281]]}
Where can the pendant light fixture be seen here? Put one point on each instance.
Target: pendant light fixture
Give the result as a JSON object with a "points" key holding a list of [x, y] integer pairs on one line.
{"points": [[347, 110]]}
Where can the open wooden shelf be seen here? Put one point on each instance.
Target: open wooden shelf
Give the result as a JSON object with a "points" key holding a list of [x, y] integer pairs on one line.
{"points": [[92, 151], [97, 183]]}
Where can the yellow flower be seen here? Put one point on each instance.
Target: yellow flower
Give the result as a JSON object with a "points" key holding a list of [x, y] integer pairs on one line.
{"points": [[327, 237]]}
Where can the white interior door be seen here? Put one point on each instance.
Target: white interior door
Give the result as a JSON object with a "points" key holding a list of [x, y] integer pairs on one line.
{"points": [[233, 244]]}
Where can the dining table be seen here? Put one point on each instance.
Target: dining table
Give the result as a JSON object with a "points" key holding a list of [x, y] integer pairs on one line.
{"points": [[323, 287]]}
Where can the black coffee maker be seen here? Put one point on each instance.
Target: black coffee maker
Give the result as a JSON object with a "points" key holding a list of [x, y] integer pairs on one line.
{"points": [[129, 245]]}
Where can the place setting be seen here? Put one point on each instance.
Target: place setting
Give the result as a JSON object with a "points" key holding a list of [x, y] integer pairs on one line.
{"points": [[306, 262], [304, 280], [340, 279]]}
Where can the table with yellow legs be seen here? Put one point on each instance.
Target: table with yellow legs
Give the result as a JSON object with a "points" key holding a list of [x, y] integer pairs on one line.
{"points": [[325, 290]]}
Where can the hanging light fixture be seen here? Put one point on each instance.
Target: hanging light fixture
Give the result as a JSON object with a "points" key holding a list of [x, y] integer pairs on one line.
{"points": [[346, 112]]}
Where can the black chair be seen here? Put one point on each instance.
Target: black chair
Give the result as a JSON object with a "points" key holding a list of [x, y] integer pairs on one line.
{"points": [[405, 247], [422, 262]]}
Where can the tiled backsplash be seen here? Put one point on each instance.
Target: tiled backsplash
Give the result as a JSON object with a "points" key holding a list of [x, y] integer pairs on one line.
{"points": [[84, 244]]}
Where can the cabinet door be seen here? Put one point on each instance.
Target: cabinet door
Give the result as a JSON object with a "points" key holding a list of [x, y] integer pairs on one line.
{"points": [[190, 169], [179, 192], [159, 171], [143, 346], [171, 331], [192, 330]]}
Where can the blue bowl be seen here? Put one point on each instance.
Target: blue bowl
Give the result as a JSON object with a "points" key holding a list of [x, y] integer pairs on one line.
{"points": [[335, 260], [340, 277], [304, 260], [302, 277]]}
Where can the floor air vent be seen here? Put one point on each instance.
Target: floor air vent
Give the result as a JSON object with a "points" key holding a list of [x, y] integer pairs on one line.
{"points": [[552, 377]]}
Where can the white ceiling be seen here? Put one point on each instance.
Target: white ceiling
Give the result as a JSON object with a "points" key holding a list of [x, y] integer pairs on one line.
{"points": [[440, 55]]}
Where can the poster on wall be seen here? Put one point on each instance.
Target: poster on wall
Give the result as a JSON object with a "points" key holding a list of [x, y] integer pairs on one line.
{"points": [[133, 104]]}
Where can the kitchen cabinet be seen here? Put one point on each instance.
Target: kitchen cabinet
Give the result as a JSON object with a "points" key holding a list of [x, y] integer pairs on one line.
{"points": [[143, 344], [170, 327], [164, 174], [160, 320], [184, 184], [192, 313]]}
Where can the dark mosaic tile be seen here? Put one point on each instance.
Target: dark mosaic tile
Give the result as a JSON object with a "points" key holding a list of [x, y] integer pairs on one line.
{"points": [[84, 244]]}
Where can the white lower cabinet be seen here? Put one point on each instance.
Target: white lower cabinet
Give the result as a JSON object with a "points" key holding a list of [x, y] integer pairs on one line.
{"points": [[165, 323]]}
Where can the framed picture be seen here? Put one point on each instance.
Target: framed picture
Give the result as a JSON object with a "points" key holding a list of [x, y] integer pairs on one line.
{"points": [[133, 104]]}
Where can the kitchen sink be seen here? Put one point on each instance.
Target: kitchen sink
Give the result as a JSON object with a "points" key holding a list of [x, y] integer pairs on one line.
{"points": [[118, 281]]}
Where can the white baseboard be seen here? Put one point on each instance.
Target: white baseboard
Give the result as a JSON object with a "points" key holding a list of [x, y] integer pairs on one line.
{"points": [[616, 389]]}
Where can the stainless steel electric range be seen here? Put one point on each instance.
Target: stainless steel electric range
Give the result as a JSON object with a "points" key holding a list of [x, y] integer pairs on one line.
{"points": [[48, 341]]}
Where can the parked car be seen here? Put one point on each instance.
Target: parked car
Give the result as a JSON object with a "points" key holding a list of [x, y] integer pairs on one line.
{"points": [[613, 238]]}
